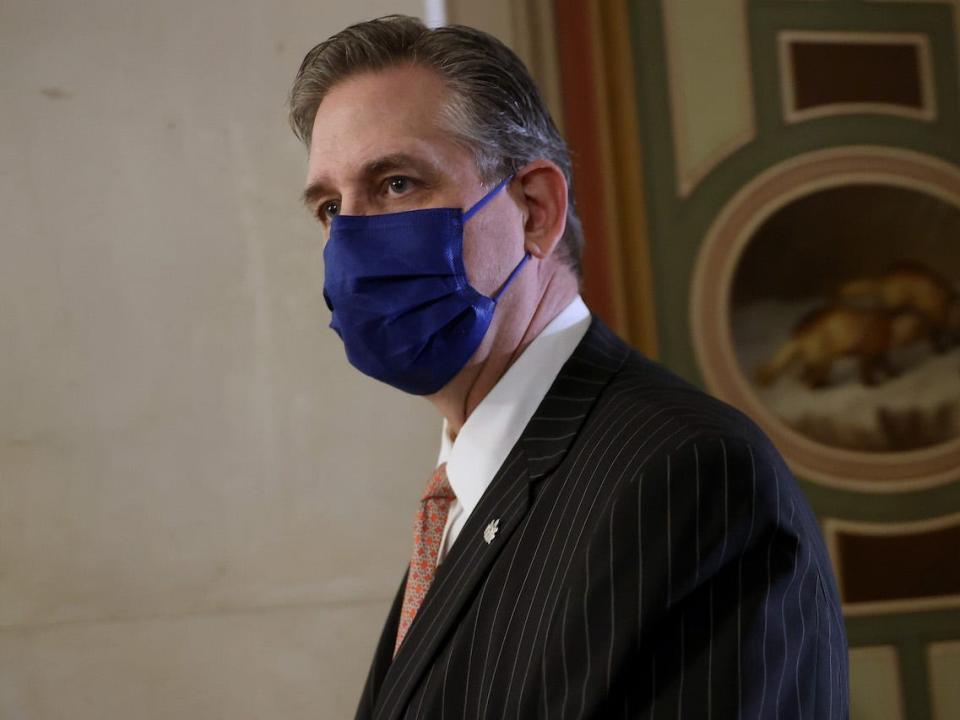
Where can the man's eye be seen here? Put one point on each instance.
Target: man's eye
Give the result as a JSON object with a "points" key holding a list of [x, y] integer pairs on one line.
{"points": [[328, 209], [399, 184]]}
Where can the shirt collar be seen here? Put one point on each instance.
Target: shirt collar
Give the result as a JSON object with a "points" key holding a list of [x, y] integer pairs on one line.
{"points": [[496, 424]]}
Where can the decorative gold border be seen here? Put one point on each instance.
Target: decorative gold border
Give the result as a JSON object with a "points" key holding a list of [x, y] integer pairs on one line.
{"points": [[832, 526], [710, 320], [791, 114], [689, 177], [626, 208], [888, 652], [603, 70]]}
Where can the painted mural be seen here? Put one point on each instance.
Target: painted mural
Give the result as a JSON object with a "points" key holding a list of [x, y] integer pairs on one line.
{"points": [[845, 314], [795, 233]]}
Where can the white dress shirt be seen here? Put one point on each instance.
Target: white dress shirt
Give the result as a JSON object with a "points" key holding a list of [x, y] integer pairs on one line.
{"points": [[496, 424]]}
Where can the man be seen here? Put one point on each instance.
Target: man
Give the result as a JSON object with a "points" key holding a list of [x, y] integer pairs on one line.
{"points": [[600, 539]]}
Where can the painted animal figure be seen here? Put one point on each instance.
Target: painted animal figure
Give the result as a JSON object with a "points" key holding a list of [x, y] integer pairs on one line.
{"points": [[912, 284], [830, 333]]}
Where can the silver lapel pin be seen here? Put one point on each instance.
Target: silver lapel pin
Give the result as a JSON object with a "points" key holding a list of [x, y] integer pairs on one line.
{"points": [[490, 532]]}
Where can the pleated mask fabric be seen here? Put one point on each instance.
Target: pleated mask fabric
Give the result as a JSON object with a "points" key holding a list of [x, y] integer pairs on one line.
{"points": [[400, 298]]}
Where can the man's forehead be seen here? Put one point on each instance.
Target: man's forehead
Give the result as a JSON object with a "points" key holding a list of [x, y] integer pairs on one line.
{"points": [[356, 161], [398, 100], [378, 114]]}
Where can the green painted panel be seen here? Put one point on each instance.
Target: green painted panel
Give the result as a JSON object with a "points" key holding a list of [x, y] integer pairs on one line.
{"points": [[911, 635], [903, 507], [875, 684], [945, 680], [678, 225]]}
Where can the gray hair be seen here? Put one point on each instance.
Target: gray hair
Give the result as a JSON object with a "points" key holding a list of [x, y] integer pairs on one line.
{"points": [[494, 109]]}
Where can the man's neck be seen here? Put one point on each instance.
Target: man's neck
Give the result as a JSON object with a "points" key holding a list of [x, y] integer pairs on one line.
{"points": [[506, 341]]}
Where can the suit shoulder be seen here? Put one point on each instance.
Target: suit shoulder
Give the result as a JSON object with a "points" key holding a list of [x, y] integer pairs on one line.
{"points": [[645, 391], [676, 433]]}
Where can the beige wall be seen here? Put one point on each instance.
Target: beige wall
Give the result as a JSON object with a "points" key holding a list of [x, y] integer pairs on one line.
{"points": [[201, 504]]}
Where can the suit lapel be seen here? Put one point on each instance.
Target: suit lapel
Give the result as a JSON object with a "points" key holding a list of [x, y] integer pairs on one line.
{"points": [[383, 655], [541, 447], [553, 428], [466, 564]]}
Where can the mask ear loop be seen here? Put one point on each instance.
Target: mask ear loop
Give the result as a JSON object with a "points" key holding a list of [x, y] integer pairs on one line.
{"points": [[473, 211], [516, 271], [486, 198]]}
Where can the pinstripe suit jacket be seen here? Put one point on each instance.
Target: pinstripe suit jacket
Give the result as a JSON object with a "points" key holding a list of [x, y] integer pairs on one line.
{"points": [[654, 558]]}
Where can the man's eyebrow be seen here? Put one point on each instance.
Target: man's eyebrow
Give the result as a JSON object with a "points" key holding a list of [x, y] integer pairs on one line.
{"points": [[387, 163], [399, 161], [315, 190]]}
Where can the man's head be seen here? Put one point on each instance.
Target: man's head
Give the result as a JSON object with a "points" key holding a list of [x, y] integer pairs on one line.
{"points": [[486, 101]]}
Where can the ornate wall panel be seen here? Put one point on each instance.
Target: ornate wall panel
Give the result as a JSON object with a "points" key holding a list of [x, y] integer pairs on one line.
{"points": [[944, 660], [790, 280], [801, 197], [875, 683], [833, 73], [707, 54], [896, 567]]}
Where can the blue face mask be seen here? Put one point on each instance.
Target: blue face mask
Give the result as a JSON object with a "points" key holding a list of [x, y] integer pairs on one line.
{"points": [[400, 297]]}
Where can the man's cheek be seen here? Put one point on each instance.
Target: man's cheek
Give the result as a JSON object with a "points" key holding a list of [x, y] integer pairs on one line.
{"points": [[487, 255], [475, 259]]}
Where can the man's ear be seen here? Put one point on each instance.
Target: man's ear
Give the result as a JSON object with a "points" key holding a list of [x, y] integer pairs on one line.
{"points": [[544, 203]]}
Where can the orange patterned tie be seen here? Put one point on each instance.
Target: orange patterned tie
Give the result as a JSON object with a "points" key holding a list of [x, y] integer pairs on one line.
{"points": [[427, 533]]}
